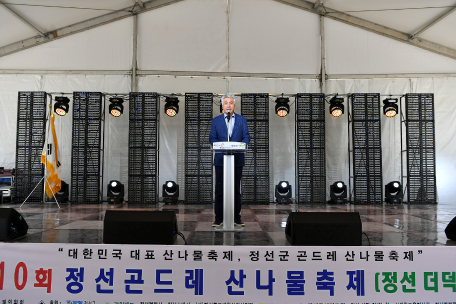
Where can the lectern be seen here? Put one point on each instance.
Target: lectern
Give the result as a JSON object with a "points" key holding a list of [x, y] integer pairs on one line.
{"points": [[228, 148]]}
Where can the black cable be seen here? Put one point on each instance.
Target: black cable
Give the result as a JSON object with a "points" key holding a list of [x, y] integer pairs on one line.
{"points": [[293, 100], [330, 96], [367, 237], [12, 235], [182, 236]]}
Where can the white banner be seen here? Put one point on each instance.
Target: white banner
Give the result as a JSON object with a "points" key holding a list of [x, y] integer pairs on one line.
{"points": [[143, 274]]}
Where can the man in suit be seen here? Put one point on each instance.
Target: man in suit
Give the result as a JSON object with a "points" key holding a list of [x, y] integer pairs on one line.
{"points": [[237, 126]]}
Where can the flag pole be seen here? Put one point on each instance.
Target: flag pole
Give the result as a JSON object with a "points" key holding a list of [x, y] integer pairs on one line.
{"points": [[45, 162], [46, 143]]}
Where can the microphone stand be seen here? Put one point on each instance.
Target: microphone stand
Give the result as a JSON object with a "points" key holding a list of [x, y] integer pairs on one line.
{"points": [[228, 116]]}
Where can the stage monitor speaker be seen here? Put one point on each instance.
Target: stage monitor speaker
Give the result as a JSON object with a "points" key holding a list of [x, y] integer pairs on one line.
{"points": [[12, 224], [139, 227], [324, 229], [450, 230]]}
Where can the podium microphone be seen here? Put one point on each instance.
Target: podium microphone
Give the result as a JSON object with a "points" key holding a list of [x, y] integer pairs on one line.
{"points": [[228, 112]]}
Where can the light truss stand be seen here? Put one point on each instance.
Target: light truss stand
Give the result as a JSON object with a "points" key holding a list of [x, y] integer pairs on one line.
{"points": [[255, 177], [198, 164], [228, 192]]}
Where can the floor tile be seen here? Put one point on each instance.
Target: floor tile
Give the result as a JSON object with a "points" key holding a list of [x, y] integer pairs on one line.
{"points": [[207, 218], [252, 226], [273, 226], [380, 227], [278, 238], [396, 238], [230, 238], [186, 226], [272, 217], [77, 236], [187, 217], [204, 226], [83, 225]]}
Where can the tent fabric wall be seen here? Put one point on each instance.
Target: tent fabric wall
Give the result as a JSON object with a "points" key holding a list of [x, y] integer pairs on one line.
{"points": [[258, 36], [186, 36], [9, 87], [269, 37]]}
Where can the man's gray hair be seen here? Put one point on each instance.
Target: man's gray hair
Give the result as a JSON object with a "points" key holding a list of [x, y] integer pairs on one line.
{"points": [[228, 95]]}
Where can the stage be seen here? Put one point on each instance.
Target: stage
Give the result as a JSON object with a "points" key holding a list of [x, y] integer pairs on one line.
{"points": [[385, 225]]}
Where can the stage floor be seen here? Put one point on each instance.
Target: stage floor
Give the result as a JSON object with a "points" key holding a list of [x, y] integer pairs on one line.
{"points": [[385, 225]]}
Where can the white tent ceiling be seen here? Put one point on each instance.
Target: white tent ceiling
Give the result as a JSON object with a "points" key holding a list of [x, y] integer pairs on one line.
{"points": [[49, 15], [406, 16]]}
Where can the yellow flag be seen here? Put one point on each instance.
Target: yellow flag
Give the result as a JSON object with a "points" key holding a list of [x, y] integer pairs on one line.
{"points": [[51, 157]]}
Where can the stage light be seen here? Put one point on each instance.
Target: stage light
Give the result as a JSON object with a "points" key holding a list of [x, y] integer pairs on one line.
{"points": [[338, 193], [393, 193], [116, 107], [170, 192], [282, 107], [62, 105], [171, 106], [283, 193], [115, 192], [63, 194], [390, 107], [336, 106]]}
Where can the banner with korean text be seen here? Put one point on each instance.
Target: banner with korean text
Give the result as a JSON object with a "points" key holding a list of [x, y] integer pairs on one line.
{"points": [[89, 274]]}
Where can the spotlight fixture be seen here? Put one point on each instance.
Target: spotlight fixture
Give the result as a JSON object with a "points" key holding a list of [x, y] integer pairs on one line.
{"points": [[115, 192], [62, 195], [116, 107], [170, 192], [282, 107], [393, 193], [171, 106], [390, 107], [338, 193], [62, 105], [283, 193], [336, 106]]}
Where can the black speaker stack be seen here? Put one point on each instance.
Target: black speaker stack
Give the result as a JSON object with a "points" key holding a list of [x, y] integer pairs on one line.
{"points": [[450, 230], [12, 224], [324, 229], [139, 227]]}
